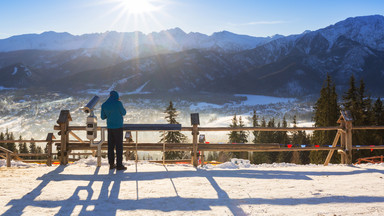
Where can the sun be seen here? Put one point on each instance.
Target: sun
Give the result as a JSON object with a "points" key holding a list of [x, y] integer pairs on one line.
{"points": [[137, 7]]}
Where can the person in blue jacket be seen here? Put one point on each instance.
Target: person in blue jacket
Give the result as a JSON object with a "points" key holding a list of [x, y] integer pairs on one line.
{"points": [[113, 110]]}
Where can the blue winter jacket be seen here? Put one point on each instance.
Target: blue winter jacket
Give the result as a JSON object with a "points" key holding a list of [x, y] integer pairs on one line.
{"points": [[113, 111]]}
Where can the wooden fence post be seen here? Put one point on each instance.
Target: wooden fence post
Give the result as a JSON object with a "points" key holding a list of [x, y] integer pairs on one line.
{"points": [[348, 144], [63, 122], [49, 139], [8, 156], [195, 121], [345, 122]]}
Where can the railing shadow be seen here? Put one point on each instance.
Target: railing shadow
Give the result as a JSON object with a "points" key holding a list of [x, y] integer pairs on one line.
{"points": [[108, 202]]}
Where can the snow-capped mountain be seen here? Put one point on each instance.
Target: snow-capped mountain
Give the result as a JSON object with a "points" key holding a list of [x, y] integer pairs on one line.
{"points": [[223, 62], [134, 44]]}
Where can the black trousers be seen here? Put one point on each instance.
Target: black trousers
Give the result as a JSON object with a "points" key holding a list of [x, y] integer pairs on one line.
{"points": [[115, 140]]}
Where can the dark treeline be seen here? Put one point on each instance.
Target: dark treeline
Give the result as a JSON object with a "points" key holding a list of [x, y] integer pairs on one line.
{"points": [[326, 113], [22, 147]]}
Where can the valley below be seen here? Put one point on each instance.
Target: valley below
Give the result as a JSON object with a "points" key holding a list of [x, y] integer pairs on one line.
{"points": [[33, 114]]}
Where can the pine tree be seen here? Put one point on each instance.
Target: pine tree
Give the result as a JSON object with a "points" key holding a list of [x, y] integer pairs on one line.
{"points": [[11, 145], [172, 136], [326, 114], [23, 146], [2, 137], [299, 138], [378, 113], [233, 135], [238, 136], [360, 107], [262, 136], [255, 123], [243, 135], [261, 157], [282, 138], [39, 150], [32, 147]]}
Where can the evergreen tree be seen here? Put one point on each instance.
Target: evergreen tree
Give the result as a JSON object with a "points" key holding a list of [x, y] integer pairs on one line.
{"points": [[23, 146], [282, 138], [378, 113], [172, 136], [258, 157], [262, 135], [238, 136], [234, 135], [39, 150], [32, 147], [360, 107], [11, 145], [255, 123], [326, 114], [271, 135], [243, 135], [299, 138], [2, 137], [266, 137]]}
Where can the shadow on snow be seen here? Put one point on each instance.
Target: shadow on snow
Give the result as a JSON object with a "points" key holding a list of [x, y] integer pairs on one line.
{"points": [[109, 203]]}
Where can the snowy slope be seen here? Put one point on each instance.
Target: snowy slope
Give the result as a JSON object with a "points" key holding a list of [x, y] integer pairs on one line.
{"points": [[227, 189]]}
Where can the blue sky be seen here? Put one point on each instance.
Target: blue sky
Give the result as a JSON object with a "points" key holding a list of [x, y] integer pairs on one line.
{"points": [[251, 17]]}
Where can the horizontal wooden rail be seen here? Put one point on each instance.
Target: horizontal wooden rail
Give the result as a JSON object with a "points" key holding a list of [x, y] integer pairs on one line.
{"points": [[273, 147], [380, 127], [267, 128], [82, 128], [30, 154], [56, 127], [27, 141], [369, 147]]}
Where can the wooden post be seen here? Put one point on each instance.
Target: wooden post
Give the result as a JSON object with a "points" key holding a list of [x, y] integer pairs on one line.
{"points": [[195, 121], [63, 122], [348, 144], [202, 158], [345, 122], [49, 139], [195, 133], [136, 156], [163, 147], [8, 155]]}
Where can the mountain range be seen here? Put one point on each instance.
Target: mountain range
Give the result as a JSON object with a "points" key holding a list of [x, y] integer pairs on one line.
{"points": [[173, 61]]}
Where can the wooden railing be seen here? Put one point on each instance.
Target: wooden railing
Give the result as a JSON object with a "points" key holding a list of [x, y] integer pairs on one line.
{"points": [[343, 136]]}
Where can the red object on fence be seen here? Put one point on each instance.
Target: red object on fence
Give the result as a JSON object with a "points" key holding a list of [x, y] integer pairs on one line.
{"points": [[371, 149], [289, 145], [206, 142], [317, 146]]}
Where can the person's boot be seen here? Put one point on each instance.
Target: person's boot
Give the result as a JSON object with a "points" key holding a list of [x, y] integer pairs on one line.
{"points": [[122, 167], [112, 166]]}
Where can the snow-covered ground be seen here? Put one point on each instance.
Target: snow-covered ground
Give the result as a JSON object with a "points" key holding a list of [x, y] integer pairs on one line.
{"points": [[226, 189]]}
